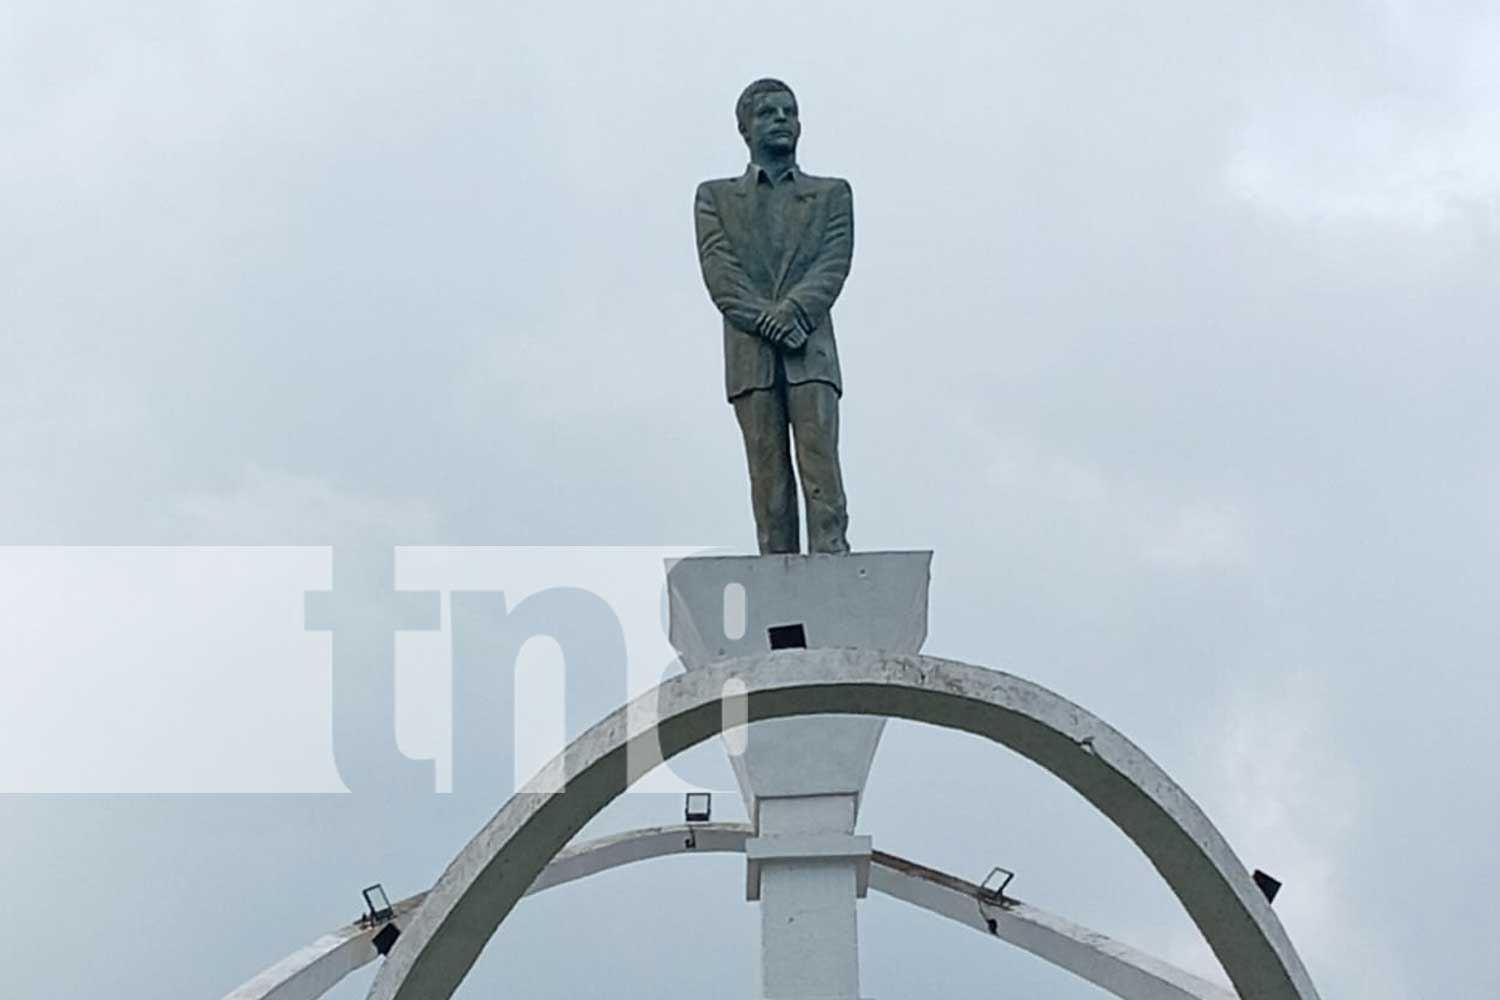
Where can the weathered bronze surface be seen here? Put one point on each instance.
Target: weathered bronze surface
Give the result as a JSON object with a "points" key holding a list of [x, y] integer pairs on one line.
{"points": [[775, 246]]}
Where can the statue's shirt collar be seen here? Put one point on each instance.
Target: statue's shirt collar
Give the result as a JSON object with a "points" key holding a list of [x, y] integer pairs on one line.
{"points": [[757, 174]]}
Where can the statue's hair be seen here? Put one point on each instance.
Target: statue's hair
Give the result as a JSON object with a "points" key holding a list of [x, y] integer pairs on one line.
{"points": [[746, 103]]}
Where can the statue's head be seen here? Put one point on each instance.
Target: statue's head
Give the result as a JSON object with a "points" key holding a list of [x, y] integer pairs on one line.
{"points": [[767, 115]]}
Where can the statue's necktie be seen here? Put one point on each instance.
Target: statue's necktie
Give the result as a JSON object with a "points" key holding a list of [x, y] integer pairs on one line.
{"points": [[772, 203]]}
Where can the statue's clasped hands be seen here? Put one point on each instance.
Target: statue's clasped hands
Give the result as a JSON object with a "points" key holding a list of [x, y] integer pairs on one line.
{"points": [[783, 326]]}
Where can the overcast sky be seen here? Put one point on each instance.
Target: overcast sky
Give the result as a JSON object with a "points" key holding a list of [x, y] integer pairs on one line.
{"points": [[1171, 330]]}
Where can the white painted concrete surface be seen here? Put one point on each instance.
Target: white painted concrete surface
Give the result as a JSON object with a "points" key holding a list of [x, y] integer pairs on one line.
{"points": [[868, 600], [802, 779], [490, 875], [310, 972]]}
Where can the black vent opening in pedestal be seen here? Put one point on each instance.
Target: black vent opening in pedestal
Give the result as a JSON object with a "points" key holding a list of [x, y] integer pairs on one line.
{"points": [[787, 636]]}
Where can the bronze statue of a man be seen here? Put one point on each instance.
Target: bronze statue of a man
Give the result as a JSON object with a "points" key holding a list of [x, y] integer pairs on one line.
{"points": [[775, 246]]}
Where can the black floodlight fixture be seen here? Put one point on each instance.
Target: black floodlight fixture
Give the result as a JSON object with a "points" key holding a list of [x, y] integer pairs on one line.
{"points": [[992, 889], [1268, 885], [697, 807], [377, 904], [792, 636], [386, 939]]}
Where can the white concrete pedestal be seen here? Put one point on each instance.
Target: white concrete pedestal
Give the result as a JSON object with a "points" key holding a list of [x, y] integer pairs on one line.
{"points": [[802, 779]]}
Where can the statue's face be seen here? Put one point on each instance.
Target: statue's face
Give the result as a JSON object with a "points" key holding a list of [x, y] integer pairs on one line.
{"points": [[773, 123]]}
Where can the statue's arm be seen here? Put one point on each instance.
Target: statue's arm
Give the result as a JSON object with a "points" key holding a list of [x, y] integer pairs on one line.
{"points": [[727, 283], [814, 295]]}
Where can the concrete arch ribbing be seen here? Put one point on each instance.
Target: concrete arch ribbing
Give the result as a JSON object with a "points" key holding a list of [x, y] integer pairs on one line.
{"points": [[311, 971], [492, 873]]}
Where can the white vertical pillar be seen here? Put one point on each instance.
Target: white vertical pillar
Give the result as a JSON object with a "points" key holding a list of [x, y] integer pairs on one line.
{"points": [[807, 869], [802, 779]]}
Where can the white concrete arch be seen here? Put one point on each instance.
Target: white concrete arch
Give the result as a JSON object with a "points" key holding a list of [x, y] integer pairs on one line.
{"points": [[312, 971], [491, 874]]}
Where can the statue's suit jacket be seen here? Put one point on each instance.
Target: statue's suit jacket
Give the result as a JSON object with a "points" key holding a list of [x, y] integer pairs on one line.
{"points": [[743, 283]]}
